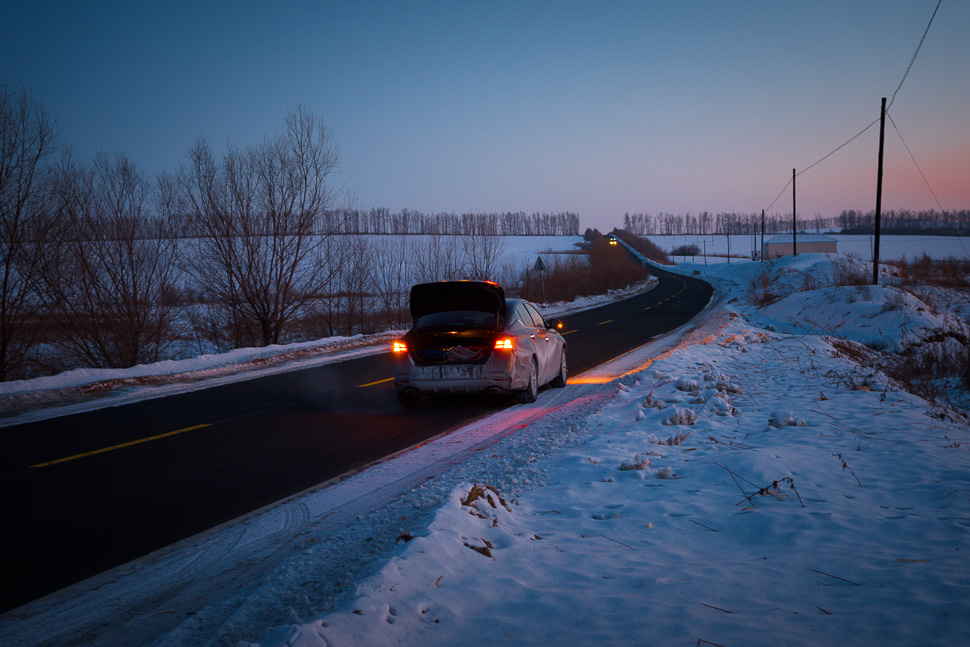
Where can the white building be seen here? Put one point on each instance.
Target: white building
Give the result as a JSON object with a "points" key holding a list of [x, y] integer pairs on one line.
{"points": [[804, 244]]}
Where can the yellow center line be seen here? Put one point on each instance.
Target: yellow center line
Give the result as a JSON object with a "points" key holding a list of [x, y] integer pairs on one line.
{"points": [[360, 386], [570, 332], [122, 445], [602, 323], [648, 307]]}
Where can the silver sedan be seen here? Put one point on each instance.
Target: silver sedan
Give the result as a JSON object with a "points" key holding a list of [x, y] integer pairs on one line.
{"points": [[468, 338]]}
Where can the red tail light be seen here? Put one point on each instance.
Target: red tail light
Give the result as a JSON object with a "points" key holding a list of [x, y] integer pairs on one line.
{"points": [[504, 343], [399, 347]]}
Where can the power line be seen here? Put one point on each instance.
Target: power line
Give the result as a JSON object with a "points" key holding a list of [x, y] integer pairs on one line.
{"points": [[822, 159], [913, 60], [846, 143], [780, 193], [851, 139], [912, 157]]}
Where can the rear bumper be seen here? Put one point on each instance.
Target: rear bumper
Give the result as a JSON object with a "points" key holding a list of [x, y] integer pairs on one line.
{"points": [[491, 377]]}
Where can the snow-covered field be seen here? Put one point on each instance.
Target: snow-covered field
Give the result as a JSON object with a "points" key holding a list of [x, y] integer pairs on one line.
{"points": [[739, 482], [890, 247]]}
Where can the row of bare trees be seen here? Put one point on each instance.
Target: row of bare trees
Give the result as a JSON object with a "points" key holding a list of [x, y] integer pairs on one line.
{"points": [[407, 221], [707, 223], [97, 272], [950, 223], [905, 221], [89, 267], [92, 272]]}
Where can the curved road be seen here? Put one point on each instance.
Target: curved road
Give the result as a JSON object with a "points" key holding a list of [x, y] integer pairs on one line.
{"points": [[87, 492]]}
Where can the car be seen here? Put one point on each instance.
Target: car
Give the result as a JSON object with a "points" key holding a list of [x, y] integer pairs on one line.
{"points": [[467, 337]]}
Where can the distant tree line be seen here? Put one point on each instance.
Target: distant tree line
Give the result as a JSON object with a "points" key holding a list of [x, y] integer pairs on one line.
{"points": [[706, 223], [904, 221], [405, 221], [950, 223]]}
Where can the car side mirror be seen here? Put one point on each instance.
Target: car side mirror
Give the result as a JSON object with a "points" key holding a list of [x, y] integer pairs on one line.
{"points": [[554, 324]]}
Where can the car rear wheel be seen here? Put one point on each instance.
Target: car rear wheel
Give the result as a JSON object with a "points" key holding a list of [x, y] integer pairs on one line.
{"points": [[531, 392], [408, 399], [559, 381]]}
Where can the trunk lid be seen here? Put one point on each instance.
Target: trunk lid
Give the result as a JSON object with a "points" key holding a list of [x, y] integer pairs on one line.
{"points": [[458, 296]]}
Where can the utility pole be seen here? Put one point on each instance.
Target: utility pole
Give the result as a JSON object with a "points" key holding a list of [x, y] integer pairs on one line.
{"points": [[540, 268], [794, 218], [762, 235], [875, 249]]}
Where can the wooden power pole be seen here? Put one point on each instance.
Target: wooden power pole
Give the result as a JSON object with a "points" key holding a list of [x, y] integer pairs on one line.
{"points": [[762, 235], [882, 138], [794, 218]]}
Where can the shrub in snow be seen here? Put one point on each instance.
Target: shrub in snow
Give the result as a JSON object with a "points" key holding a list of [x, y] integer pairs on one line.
{"points": [[638, 462], [650, 403], [687, 384], [641, 415], [730, 387], [722, 407], [673, 441], [781, 419], [482, 497], [681, 417], [665, 473]]}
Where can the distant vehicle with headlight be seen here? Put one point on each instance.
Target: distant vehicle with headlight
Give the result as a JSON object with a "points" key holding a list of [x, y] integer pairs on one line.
{"points": [[467, 337]]}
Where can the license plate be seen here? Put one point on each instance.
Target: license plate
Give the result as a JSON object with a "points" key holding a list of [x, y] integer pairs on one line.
{"points": [[450, 372]]}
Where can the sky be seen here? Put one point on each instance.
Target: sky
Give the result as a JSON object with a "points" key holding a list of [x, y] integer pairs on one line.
{"points": [[594, 108]]}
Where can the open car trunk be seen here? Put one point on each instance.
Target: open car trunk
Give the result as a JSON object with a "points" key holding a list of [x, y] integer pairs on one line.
{"points": [[455, 322]]}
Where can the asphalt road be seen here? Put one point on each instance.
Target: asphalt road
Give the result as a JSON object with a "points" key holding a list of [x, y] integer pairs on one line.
{"points": [[91, 491]]}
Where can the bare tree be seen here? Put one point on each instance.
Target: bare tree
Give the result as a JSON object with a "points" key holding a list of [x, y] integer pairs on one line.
{"points": [[113, 269], [355, 280], [27, 140], [483, 255], [257, 213], [393, 277], [437, 258]]}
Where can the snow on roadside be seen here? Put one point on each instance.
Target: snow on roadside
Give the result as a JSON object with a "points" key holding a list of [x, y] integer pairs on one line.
{"points": [[881, 317], [731, 492]]}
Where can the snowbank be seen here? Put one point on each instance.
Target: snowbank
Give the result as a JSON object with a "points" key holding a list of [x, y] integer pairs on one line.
{"points": [[795, 512]]}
